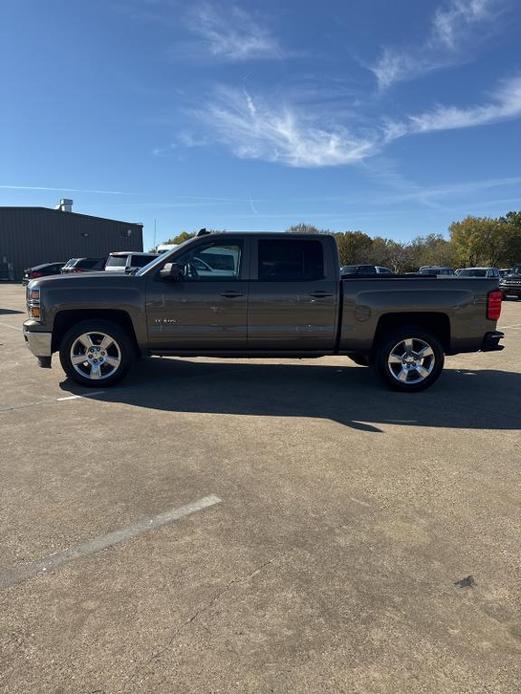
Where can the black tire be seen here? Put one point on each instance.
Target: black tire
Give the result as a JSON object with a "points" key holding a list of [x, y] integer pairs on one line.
{"points": [[420, 373], [120, 351], [360, 359]]}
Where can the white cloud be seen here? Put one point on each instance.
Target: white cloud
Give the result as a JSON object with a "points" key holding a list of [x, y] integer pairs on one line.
{"points": [[64, 190], [458, 16], [300, 136], [466, 188], [504, 105], [448, 43], [256, 130], [230, 33]]}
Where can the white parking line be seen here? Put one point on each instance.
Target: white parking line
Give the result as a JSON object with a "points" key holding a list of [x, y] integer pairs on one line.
{"points": [[83, 395], [13, 327], [48, 401], [17, 574]]}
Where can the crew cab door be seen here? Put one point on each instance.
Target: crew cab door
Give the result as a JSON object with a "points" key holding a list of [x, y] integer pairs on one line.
{"points": [[206, 308], [294, 295]]}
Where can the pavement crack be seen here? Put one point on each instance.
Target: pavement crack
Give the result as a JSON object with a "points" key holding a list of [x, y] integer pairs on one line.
{"points": [[156, 656]]}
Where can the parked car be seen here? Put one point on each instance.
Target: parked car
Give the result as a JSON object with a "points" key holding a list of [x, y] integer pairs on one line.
{"points": [[511, 284], [43, 270], [491, 272], [436, 270], [128, 261], [504, 271], [281, 295], [83, 265], [365, 270], [163, 247]]}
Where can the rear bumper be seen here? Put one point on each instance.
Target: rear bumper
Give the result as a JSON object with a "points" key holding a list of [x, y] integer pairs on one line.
{"points": [[491, 341]]}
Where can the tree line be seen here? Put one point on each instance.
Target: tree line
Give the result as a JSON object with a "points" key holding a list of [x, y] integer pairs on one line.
{"points": [[473, 241]]}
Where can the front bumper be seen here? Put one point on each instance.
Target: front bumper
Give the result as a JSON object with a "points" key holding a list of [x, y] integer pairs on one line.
{"points": [[39, 344], [491, 341]]}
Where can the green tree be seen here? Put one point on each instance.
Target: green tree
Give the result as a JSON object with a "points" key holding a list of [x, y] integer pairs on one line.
{"points": [[353, 247], [511, 223], [389, 253], [183, 236], [432, 249], [303, 229], [480, 241]]}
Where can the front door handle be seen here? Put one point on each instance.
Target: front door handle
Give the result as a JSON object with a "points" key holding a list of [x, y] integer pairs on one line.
{"points": [[321, 295], [231, 295]]}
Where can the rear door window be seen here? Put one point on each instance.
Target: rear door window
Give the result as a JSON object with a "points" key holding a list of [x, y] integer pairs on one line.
{"points": [[290, 261]]}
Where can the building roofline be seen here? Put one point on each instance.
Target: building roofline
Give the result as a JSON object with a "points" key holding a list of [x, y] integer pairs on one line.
{"points": [[62, 212]]}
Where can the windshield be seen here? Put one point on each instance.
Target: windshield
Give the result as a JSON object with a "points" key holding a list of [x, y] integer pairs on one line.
{"points": [[436, 271], [117, 261], [358, 270], [470, 272], [141, 260], [88, 263]]}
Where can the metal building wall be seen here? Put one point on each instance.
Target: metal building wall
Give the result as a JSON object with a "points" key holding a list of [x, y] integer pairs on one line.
{"points": [[33, 235]]}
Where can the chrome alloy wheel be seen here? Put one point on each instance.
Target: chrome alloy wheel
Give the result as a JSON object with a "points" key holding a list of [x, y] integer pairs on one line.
{"points": [[95, 355], [411, 360]]}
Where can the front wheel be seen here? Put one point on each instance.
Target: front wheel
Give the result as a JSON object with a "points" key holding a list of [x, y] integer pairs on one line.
{"points": [[410, 359], [96, 353]]}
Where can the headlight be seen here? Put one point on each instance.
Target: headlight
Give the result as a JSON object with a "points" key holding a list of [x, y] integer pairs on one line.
{"points": [[33, 303]]}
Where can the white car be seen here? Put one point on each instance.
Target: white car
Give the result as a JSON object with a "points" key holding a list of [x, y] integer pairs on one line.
{"points": [[128, 261]]}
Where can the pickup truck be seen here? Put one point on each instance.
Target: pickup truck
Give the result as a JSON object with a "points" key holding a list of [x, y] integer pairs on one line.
{"points": [[510, 284], [259, 295]]}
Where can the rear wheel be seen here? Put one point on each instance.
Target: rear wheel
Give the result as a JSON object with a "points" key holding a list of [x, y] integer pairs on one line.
{"points": [[96, 353], [410, 359]]}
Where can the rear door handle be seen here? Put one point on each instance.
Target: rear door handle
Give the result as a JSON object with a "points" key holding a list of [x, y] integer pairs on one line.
{"points": [[232, 295], [320, 295]]}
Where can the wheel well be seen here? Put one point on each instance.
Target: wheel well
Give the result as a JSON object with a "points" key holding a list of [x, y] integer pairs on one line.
{"points": [[436, 323], [64, 320]]}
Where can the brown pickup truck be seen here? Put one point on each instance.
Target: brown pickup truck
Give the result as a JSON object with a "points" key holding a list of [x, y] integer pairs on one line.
{"points": [[259, 295]]}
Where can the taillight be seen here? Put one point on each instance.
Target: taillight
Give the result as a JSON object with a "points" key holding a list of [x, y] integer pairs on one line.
{"points": [[494, 300]]}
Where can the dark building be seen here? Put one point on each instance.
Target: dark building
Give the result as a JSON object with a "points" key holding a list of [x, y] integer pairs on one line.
{"points": [[33, 235]]}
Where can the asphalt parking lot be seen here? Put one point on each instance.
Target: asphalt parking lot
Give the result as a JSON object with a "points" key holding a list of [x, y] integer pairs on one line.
{"points": [[286, 526]]}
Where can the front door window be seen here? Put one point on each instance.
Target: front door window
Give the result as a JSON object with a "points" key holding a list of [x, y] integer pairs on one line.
{"points": [[215, 262]]}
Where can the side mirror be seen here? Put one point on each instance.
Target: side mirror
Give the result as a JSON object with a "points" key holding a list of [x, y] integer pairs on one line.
{"points": [[172, 272]]}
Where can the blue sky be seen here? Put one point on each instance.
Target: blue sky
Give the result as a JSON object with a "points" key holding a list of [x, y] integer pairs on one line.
{"points": [[395, 118]]}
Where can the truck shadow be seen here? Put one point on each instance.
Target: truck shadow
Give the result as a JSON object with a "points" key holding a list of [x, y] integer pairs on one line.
{"points": [[9, 311], [349, 395]]}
